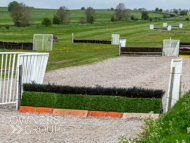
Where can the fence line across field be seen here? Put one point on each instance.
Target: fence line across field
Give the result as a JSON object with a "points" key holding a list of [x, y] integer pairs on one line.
{"points": [[33, 71]]}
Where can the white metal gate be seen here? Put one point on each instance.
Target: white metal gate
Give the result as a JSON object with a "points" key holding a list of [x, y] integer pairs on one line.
{"points": [[171, 48], [33, 70], [43, 42]]}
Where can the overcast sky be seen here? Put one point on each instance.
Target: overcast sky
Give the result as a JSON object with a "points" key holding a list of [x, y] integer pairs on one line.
{"points": [[103, 4]]}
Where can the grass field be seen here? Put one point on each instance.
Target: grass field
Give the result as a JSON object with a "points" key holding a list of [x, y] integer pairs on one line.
{"points": [[39, 14], [137, 33]]}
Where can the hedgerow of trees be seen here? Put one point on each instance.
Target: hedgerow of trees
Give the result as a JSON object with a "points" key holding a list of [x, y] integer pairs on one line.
{"points": [[12, 4], [90, 12], [21, 15], [64, 14], [121, 12]]}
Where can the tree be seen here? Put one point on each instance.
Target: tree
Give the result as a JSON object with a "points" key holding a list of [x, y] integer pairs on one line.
{"points": [[144, 15], [82, 20], [56, 19], [176, 11], [64, 14], [132, 17], [82, 8], [21, 15], [160, 10], [112, 9], [183, 12], [12, 4], [90, 12], [46, 21], [91, 19], [121, 12], [157, 9]]}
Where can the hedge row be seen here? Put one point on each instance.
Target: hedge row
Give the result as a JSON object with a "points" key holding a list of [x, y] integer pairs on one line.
{"points": [[124, 92], [92, 103]]}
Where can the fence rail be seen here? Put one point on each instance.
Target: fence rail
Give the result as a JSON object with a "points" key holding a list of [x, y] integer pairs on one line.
{"points": [[33, 69]]}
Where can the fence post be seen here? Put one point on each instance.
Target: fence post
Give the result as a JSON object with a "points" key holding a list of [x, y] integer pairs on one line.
{"points": [[19, 86], [72, 37], [171, 88], [119, 49]]}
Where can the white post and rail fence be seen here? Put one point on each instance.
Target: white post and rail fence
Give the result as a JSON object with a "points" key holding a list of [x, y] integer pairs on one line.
{"points": [[30, 66]]}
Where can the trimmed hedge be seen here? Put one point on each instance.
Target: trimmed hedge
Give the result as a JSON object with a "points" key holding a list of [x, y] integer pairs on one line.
{"points": [[124, 92], [92, 103]]}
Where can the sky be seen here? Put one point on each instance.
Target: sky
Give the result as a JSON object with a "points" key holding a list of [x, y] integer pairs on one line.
{"points": [[103, 4]]}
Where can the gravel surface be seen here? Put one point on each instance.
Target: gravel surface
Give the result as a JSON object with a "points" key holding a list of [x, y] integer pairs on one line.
{"points": [[146, 72], [18, 127], [125, 72]]}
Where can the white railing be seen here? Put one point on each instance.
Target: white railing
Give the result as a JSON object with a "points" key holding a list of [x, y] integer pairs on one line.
{"points": [[174, 88], [115, 39], [33, 70]]}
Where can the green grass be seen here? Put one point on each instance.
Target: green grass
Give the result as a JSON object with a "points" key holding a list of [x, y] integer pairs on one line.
{"points": [[92, 103], [137, 34], [39, 14], [173, 127]]}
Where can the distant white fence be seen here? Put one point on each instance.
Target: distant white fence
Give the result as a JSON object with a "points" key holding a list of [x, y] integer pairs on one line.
{"points": [[171, 47], [43, 42], [165, 24], [169, 28], [174, 88], [151, 26], [123, 42], [180, 25], [33, 71], [115, 39]]}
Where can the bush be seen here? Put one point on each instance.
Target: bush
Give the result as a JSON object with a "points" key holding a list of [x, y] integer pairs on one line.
{"points": [[56, 19], [92, 103], [164, 16], [91, 19], [112, 18], [150, 19], [82, 20], [187, 19], [132, 17], [125, 92], [183, 13], [7, 26], [0, 26], [173, 127], [46, 21]]}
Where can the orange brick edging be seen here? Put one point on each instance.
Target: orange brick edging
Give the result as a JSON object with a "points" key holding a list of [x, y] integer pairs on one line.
{"points": [[83, 113], [39, 110]]}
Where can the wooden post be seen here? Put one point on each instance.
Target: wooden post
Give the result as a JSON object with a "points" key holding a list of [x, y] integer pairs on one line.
{"points": [[20, 86], [171, 88], [119, 49], [72, 37]]}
